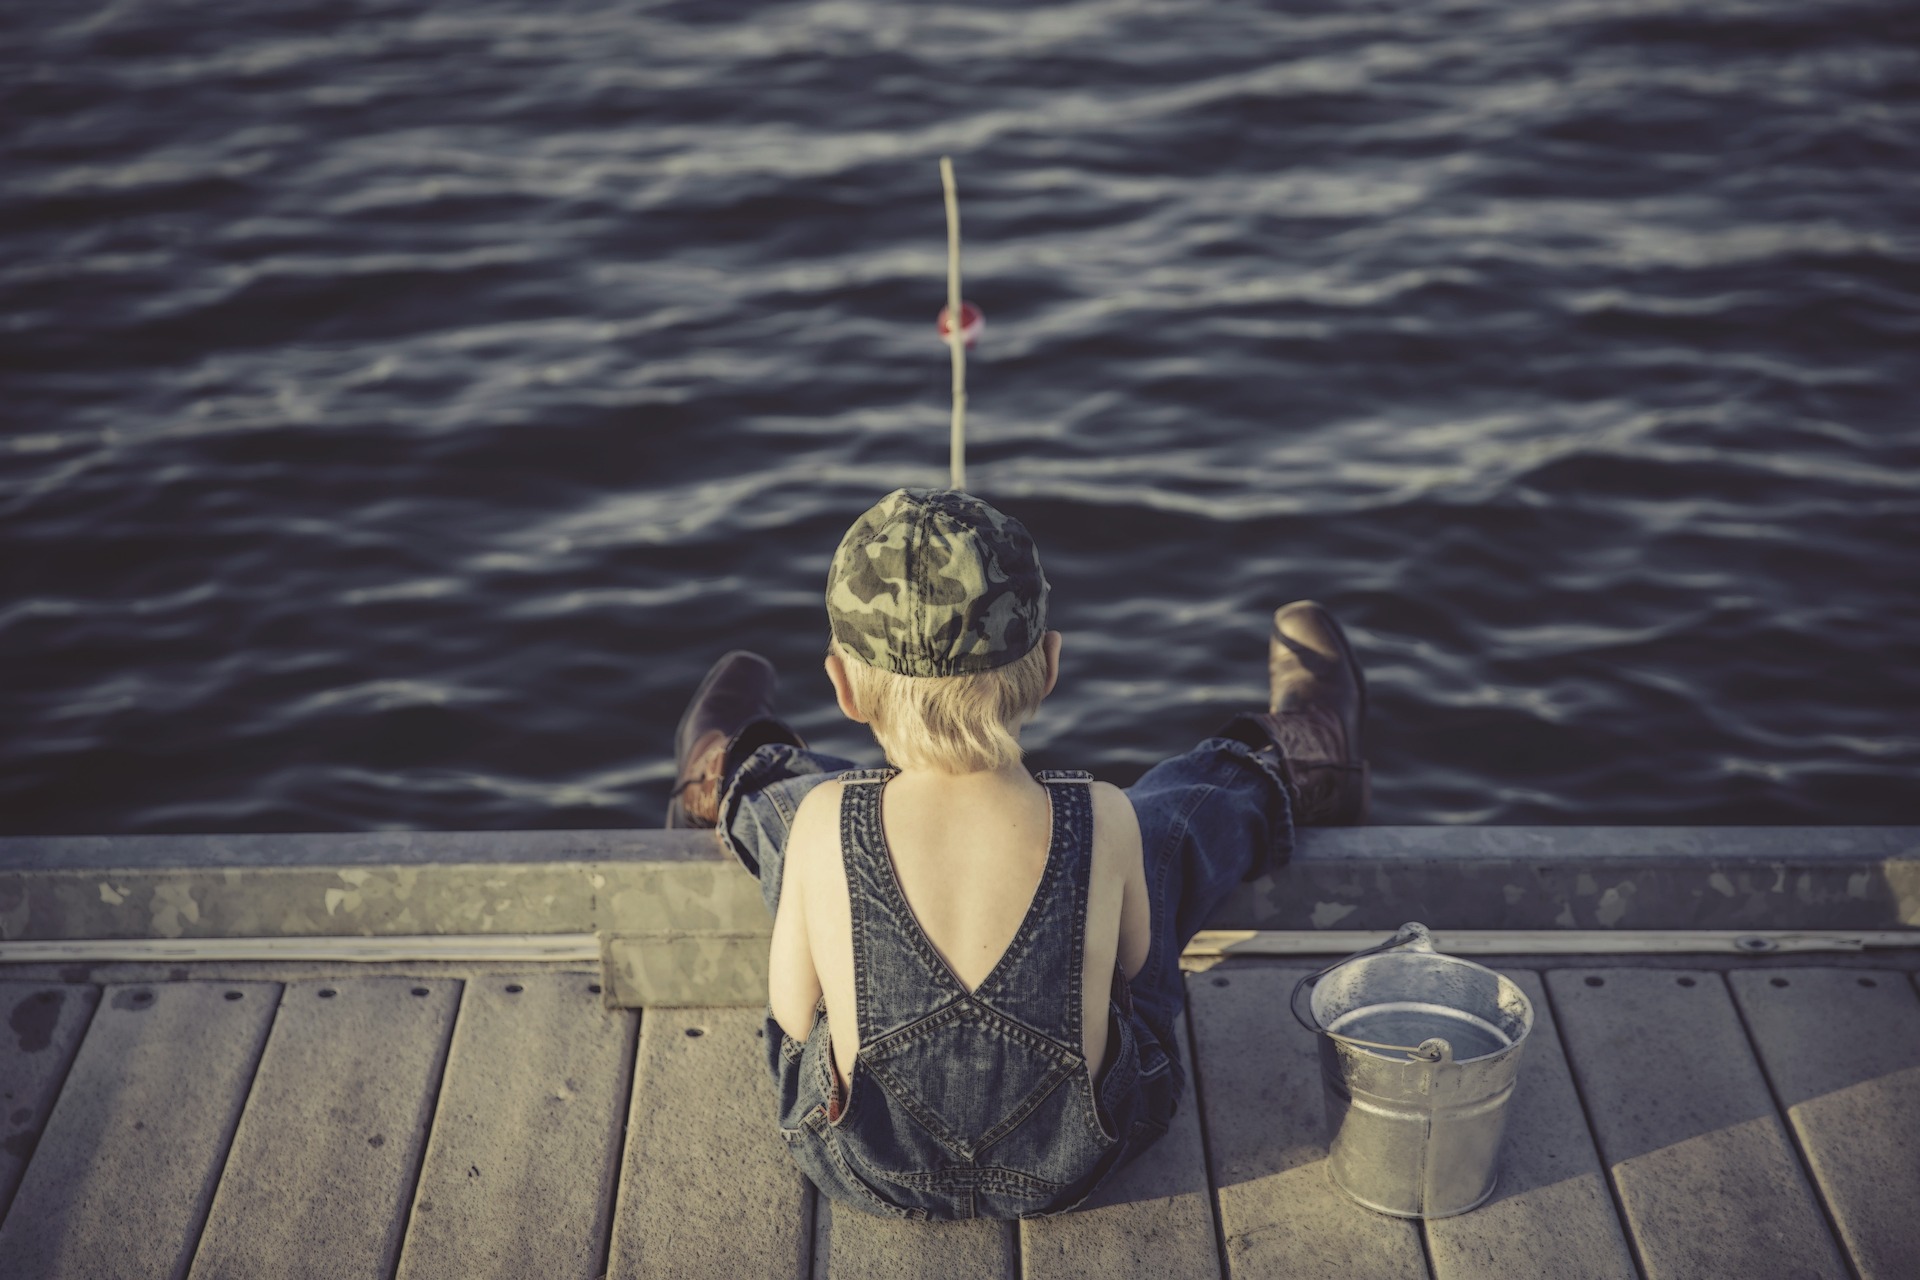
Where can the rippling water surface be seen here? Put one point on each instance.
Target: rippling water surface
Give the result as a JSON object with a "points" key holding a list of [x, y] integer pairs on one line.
{"points": [[404, 401]]}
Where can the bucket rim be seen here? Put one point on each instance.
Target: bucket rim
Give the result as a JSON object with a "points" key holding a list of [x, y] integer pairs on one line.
{"points": [[1412, 938]]}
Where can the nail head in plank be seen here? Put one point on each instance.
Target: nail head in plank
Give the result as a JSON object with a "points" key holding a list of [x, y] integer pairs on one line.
{"points": [[861, 1246], [1706, 1175], [1258, 1080], [1551, 1216], [707, 1187], [45, 1021], [534, 1094], [1842, 1048], [324, 1160], [1153, 1219], [121, 1180]]}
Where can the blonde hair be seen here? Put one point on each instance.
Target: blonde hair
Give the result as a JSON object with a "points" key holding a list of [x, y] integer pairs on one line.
{"points": [[950, 724]]}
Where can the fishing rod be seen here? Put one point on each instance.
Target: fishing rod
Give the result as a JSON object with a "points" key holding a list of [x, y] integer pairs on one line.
{"points": [[960, 334]]}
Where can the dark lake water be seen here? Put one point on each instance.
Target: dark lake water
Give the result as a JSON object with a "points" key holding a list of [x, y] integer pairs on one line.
{"points": [[403, 402]]}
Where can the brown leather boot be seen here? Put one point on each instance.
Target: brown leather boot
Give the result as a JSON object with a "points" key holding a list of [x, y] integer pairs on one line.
{"points": [[1315, 717], [733, 704]]}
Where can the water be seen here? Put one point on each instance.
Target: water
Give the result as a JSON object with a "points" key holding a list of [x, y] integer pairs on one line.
{"points": [[404, 401], [1413, 1022]]}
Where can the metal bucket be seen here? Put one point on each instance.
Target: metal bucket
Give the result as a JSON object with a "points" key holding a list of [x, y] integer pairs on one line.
{"points": [[1418, 1055]]}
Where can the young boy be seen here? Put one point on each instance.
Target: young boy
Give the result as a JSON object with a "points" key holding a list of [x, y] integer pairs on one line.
{"points": [[975, 978]]}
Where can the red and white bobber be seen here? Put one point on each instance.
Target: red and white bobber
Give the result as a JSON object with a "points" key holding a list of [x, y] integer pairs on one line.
{"points": [[972, 321]]}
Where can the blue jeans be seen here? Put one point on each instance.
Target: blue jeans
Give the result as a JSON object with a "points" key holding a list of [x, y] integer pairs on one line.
{"points": [[1210, 818]]}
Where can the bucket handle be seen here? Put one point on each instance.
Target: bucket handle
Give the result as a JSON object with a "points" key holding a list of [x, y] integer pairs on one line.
{"points": [[1412, 935]]}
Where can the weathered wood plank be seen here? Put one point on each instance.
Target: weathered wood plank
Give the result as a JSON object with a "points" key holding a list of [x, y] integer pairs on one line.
{"points": [[1154, 1219], [707, 1187], [324, 1161], [120, 1183], [45, 1021], [860, 1246], [1705, 1172], [1842, 1048], [1551, 1216], [1258, 1081], [534, 1095]]}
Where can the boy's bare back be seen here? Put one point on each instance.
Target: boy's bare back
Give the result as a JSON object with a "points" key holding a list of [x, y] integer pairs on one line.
{"points": [[968, 851]]}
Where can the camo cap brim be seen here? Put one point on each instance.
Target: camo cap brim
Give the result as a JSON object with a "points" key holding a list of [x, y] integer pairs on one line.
{"points": [[935, 582]]}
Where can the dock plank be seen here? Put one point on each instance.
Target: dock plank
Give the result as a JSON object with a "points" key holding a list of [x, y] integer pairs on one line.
{"points": [[1258, 1081], [1842, 1048], [1551, 1216], [45, 1021], [324, 1160], [1705, 1172], [860, 1246], [534, 1096], [707, 1187], [127, 1164], [1155, 1218]]}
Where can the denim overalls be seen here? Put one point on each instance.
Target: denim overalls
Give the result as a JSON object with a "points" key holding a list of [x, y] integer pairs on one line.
{"points": [[981, 1104]]}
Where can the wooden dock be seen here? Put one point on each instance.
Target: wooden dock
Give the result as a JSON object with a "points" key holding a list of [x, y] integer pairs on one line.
{"points": [[1675, 1118]]}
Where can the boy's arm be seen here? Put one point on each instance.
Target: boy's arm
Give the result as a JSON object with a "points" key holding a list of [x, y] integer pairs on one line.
{"points": [[793, 985], [1136, 913]]}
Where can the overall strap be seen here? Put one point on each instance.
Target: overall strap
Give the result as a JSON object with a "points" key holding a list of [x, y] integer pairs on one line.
{"points": [[898, 977], [1037, 981]]}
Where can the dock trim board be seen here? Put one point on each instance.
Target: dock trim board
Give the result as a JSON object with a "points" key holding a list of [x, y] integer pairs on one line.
{"points": [[1536, 942], [472, 947], [675, 970]]}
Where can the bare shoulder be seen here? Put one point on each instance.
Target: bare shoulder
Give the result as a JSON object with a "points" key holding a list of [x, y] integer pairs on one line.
{"points": [[815, 824], [1117, 848], [1113, 814], [819, 804]]}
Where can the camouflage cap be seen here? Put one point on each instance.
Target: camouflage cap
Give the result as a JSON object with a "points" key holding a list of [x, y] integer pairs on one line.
{"points": [[934, 582]]}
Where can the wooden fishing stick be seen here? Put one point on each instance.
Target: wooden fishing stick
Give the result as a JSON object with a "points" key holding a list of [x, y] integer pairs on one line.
{"points": [[955, 342]]}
